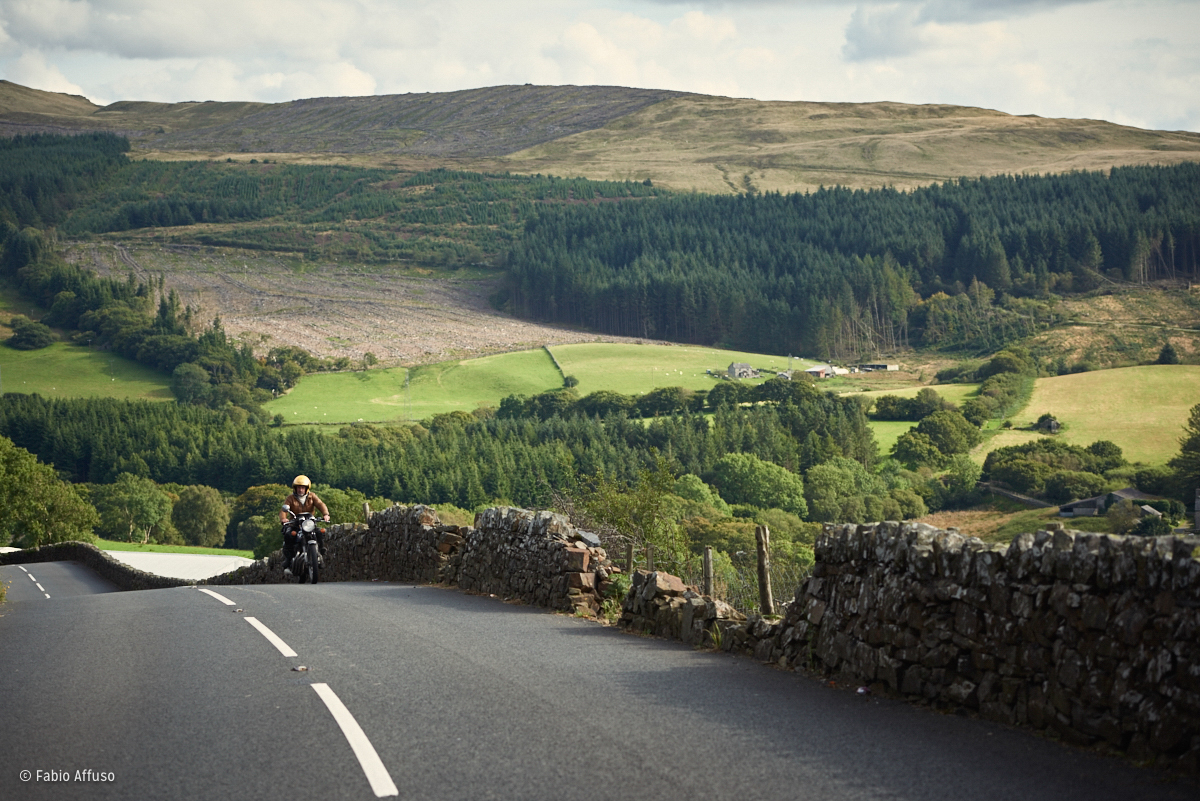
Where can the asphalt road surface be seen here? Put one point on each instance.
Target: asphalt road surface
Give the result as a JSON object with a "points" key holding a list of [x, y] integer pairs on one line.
{"points": [[428, 693]]}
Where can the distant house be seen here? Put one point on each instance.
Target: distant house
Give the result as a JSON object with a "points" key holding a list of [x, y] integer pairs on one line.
{"points": [[742, 370], [870, 368], [1091, 507]]}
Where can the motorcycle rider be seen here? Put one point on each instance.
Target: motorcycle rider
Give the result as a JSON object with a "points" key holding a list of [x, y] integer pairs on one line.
{"points": [[301, 500]]}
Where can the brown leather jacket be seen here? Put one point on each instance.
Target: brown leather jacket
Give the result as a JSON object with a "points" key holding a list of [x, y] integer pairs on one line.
{"points": [[310, 504]]}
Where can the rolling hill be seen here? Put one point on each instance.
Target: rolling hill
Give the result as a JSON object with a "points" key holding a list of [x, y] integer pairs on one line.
{"points": [[678, 140]]}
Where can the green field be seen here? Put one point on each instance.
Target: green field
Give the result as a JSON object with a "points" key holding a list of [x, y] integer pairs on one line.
{"points": [[112, 545], [888, 431], [1141, 409], [74, 371], [381, 396]]}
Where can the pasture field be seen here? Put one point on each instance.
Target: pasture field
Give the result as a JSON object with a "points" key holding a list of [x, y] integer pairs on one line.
{"points": [[380, 395], [63, 370], [1141, 409], [888, 431], [637, 369], [955, 393]]}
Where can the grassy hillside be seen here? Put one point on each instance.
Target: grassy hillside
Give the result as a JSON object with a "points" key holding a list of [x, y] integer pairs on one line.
{"points": [[74, 371], [1128, 325], [1141, 409], [680, 141], [380, 395], [719, 145]]}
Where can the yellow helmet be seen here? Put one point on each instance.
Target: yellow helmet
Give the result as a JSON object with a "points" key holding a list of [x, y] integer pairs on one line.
{"points": [[301, 481]]}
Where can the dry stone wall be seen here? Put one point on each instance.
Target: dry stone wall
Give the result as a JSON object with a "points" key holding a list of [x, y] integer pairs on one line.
{"points": [[1095, 637], [536, 557], [119, 573]]}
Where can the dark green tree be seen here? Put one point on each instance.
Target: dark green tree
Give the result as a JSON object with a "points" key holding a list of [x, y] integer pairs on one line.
{"points": [[1167, 355], [201, 516]]}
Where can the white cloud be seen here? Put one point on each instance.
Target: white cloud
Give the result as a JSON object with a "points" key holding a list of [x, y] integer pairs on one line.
{"points": [[1125, 60], [882, 32], [31, 69]]}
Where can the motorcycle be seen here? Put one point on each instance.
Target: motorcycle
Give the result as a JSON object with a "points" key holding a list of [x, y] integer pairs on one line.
{"points": [[306, 564]]}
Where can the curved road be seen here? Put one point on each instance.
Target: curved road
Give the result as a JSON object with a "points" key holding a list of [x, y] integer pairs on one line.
{"points": [[175, 695]]}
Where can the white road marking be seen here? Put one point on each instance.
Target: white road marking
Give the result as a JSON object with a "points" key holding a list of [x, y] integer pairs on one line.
{"points": [[31, 578], [272, 638], [372, 765], [40, 587], [45, 593], [218, 596], [23, 568]]}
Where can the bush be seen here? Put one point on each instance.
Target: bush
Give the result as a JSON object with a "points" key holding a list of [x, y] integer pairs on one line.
{"points": [[28, 335], [1151, 526]]}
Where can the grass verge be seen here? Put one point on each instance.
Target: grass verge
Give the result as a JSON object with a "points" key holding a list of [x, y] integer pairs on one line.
{"points": [[110, 545]]}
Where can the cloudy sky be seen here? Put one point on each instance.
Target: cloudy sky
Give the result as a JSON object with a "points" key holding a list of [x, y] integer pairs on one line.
{"points": [[1135, 62]]}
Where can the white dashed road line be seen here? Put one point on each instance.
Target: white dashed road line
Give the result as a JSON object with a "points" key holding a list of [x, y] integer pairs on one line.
{"points": [[218, 596], [372, 765], [272, 637], [35, 582], [368, 758]]}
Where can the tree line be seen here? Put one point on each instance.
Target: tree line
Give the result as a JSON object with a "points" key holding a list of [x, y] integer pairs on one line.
{"points": [[840, 272]]}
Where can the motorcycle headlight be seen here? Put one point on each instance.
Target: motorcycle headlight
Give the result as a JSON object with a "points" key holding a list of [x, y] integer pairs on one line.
{"points": [[309, 525]]}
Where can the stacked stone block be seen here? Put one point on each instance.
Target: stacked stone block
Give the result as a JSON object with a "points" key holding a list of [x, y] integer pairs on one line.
{"points": [[536, 557], [661, 604]]}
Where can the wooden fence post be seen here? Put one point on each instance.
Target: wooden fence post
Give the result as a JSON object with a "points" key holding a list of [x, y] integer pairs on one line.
{"points": [[708, 571], [762, 537], [629, 558], [366, 511], [650, 558]]}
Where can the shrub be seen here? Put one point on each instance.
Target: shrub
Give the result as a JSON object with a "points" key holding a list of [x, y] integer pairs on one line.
{"points": [[28, 335], [1151, 526]]}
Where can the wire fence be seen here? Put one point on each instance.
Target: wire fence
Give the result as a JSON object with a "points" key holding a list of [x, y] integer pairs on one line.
{"points": [[738, 586]]}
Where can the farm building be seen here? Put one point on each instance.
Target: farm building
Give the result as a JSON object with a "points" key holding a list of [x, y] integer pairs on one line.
{"points": [[1091, 507], [826, 370], [742, 370], [870, 368]]}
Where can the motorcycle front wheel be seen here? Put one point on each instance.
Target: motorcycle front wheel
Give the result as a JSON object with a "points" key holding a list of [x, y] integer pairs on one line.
{"points": [[313, 564]]}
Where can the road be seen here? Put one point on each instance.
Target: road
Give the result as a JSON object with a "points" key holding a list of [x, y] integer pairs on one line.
{"points": [[175, 695]]}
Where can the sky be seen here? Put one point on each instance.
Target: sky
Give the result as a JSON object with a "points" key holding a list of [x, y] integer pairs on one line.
{"points": [[1133, 62]]}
